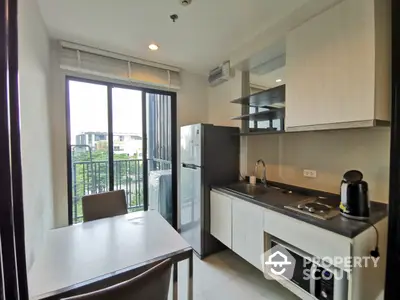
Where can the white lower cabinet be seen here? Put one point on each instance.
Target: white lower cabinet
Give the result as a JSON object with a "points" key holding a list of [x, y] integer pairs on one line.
{"points": [[247, 231], [243, 226], [239, 225], [221, 218]]}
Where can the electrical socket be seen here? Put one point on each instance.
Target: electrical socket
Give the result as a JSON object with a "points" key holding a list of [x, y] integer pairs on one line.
{"points": [[310, 173]]}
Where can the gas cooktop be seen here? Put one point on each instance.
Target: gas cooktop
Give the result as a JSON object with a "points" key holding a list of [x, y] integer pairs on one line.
{"points": [[315, 207]]}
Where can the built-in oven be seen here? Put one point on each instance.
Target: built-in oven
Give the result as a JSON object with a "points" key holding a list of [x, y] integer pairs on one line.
{"points": [[322, 281]]}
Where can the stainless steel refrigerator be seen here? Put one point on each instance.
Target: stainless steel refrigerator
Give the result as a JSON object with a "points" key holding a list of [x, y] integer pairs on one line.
{"points": [[209, 156]]}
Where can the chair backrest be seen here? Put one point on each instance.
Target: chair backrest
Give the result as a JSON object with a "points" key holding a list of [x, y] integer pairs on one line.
{"points": [[104, 205], [153, 284]]}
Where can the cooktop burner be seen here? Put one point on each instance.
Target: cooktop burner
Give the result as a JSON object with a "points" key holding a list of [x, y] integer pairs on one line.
{"points": [[315, 206]]}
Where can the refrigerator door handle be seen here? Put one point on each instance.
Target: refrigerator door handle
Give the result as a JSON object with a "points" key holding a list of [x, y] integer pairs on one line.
{"points": [[190, 166]]}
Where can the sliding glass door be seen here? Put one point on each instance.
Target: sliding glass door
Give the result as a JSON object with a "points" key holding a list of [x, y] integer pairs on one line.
{"points": [[89, 142], [159, 146], [127, 127], [121, 138]]}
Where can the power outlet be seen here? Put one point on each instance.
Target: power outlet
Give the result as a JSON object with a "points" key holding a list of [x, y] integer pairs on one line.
{"points": [[310, 173]]}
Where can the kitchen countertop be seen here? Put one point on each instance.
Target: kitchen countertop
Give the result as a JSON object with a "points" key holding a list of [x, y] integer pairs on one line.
{"points": [[276, 200]]}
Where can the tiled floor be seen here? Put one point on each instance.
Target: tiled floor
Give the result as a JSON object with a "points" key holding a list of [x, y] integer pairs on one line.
{"points": [[226, 276]]}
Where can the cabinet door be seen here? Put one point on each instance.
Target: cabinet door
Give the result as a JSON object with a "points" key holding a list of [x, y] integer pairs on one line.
{"points": [[248, 231], [221, 218], [330, 67]]}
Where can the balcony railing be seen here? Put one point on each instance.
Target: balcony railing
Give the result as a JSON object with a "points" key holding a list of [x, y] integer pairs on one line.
{"points": [[92, 177]]}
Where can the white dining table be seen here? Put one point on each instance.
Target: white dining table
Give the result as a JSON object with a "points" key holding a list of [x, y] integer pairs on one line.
{"points": [[77, 256]]}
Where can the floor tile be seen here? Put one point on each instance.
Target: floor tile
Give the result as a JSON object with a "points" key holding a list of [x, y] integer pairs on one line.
{"points": [[226, 276], [231, 290]]}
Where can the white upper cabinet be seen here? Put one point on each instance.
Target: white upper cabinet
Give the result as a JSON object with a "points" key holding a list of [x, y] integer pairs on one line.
{"points": [[338, 68]]}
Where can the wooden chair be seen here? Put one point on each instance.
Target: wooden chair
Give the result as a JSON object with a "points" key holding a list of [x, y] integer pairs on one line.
{"points": [[153, 284], [104, 205]]}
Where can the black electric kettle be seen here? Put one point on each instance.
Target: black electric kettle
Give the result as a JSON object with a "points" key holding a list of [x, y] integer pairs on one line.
{"points": [[354, 196]]}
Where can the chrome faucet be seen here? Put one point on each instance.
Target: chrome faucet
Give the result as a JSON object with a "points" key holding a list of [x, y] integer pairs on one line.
{"points": [[264, 178]]}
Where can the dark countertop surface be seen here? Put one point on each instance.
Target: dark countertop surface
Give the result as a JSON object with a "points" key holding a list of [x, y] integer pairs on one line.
{"points": [[275, 200]]}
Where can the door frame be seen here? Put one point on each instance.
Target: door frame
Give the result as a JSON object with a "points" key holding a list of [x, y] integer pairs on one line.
{"points": [[392, 291], [174, 145], [13, 265]]}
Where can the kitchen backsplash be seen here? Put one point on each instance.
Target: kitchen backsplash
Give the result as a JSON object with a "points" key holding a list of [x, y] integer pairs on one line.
{"points": [[330, 153]]}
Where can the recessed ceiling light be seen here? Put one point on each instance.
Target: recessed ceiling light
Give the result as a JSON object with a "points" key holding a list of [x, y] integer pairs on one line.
{"points": [[153, 47], [278, 80]]}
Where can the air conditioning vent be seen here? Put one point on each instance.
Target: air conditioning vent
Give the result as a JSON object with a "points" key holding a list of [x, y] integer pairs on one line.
{"points": [[220, 74]]}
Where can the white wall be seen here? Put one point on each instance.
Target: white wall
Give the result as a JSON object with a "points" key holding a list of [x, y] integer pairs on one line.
{"points": [[191, 108], [35, 127]]}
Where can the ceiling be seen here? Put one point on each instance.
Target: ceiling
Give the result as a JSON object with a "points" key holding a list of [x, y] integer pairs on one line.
{"points": [[205, 34]]}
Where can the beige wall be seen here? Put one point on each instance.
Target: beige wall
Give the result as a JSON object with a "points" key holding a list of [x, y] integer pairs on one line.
{"points": [[330, 153], [35, 126], [59, 141], [191, 108], [192, 99], [220, 110]]}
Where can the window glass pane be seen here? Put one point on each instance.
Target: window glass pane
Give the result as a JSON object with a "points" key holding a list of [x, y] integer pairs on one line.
{"points": [[263, 124], [251, 111], [159, 154], [128, 148], [277, 123], [89, 154]]}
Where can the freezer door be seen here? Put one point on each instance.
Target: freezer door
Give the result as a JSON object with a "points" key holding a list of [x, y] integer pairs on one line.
{"points": [[191, 200], [191, 137]]}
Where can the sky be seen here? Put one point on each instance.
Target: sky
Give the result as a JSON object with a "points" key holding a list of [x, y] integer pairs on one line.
{"points": [[88, 109]]}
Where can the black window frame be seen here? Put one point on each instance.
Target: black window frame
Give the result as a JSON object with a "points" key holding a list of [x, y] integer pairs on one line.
{"points": [[174, 132]]}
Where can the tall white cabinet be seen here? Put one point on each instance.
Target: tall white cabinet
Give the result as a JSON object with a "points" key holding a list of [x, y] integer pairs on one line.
{"points": [[247, 233], [221, 218], [338, 68]]}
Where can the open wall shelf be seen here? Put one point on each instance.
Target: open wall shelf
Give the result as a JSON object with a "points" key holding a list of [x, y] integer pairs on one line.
{"points": [[263, 115], [272, 98], [267, 111]]}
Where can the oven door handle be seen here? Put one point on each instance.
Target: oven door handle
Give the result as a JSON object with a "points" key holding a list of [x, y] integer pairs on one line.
{"points": [[313, 280]]}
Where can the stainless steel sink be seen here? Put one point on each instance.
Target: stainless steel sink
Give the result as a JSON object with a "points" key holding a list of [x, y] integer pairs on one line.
{"points": [[248, 190], [253, 191]]}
